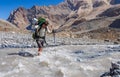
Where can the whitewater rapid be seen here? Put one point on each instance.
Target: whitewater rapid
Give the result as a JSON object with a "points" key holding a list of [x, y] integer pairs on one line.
{"points": [[59, 61]]}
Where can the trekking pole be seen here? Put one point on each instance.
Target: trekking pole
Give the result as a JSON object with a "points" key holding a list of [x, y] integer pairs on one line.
{"points": [[54, 36]]}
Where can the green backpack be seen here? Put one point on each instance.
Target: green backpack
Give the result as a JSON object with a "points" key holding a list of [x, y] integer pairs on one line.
{"points": [[41, 21]]}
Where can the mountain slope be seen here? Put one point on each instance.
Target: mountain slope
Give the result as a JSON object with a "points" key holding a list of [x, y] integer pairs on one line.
{"points": [[56, 14], [73, 17], [7, 26]]}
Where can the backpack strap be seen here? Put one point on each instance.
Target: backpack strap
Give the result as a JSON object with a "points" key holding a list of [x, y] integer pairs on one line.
{"points": [[39, 28]]}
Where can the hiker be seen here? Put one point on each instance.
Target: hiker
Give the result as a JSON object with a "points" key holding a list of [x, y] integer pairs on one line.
{"points": [[40, 33]]}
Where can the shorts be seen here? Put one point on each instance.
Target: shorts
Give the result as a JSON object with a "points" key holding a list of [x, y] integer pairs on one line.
{"points": [[40, 43]]}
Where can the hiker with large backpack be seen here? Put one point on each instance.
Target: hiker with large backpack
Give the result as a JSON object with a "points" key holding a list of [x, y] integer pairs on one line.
{"points": [[40, 32]]}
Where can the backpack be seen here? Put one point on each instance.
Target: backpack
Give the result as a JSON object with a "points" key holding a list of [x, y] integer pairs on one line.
{"points": [[34, 35], [40, 22]]}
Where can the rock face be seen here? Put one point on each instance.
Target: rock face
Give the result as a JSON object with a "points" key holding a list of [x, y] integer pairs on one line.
{"points": [[19, 18], [111, 12], [98, 3], [114, 70], [85, 8], [56, 14]]}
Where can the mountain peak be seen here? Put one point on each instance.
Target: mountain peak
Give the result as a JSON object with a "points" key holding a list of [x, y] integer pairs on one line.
{"points": [[59, 14]]}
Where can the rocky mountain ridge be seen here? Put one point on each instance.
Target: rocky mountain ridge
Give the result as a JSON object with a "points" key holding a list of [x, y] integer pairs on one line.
{"points": [[56, 14], [71, 16]]}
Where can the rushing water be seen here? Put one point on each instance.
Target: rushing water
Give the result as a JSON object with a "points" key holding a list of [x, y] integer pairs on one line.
{"points": [[60, 61]]}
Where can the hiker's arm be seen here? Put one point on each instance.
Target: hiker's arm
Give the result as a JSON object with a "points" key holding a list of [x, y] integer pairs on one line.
{"points": [[49, 29]]}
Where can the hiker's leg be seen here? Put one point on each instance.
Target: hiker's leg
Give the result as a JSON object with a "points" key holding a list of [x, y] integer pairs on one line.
{"points": [[40, 45], [39, 51]]}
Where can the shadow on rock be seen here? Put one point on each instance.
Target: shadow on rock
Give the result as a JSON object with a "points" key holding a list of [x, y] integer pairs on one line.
{"points": [[115, 24], [23, 54], [29, 27]]}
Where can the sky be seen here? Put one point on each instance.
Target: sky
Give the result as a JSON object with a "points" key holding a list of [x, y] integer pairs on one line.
{"points": [[7, 6]]}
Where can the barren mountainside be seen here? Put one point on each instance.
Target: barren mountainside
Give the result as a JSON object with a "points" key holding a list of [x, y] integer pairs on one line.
{"points": [[56, 14], [73, 17], [7, 26]]}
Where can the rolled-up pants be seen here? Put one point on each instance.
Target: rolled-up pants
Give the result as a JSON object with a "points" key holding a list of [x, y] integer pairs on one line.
{"points": [[40, 42]]}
